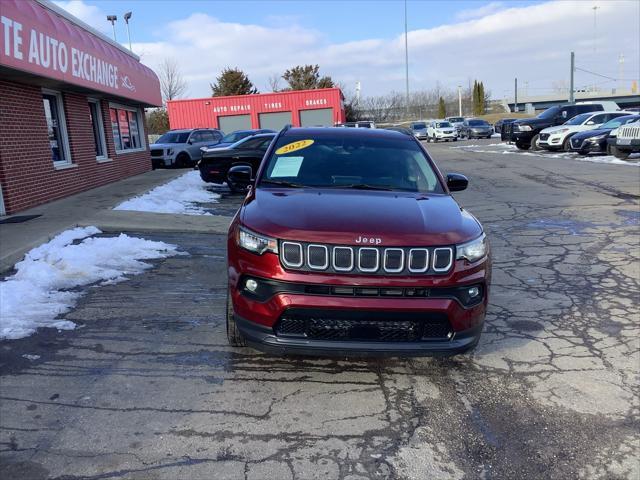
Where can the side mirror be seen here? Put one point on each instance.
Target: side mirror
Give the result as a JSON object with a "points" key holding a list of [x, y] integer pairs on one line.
{"points": [[590, 122], [457, 182], [190, 142], [240, 175]]}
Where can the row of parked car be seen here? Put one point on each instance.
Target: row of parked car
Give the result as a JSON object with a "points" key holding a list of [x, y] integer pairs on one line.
{"points": [[450, 129], [587, 127]]}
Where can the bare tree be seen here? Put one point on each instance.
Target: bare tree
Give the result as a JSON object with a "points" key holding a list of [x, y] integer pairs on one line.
{"points": [[274, 82], [172, 85]]}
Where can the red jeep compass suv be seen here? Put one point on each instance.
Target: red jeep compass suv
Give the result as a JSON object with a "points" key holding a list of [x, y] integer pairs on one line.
{"points": [[350, 243]]}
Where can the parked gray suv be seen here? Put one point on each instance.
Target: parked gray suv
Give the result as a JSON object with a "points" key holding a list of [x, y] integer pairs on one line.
{"points": [[181, 148]]}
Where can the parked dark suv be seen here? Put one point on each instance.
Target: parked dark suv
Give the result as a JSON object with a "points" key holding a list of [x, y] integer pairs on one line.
{"points": [[350, 242], [525, 132], [215, 163]]}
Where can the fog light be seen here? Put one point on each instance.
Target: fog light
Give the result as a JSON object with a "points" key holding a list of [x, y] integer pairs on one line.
{"points": [[473, 292], [251, 285]]}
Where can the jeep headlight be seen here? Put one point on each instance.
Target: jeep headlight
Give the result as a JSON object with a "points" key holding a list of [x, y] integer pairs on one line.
{"points": [[474, 250], [524, 128], [255, 242], [562, 130]]}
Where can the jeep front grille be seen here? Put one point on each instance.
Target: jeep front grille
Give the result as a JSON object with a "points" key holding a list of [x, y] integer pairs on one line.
{"points": [[313, 257], [370, 326]]}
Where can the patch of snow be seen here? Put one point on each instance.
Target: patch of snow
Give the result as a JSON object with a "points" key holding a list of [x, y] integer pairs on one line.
{"points": [[31, 357], [39, 292], [178, 196], [507, 148]]}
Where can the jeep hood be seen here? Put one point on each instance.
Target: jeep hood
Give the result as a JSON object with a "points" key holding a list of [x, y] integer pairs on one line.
{"points": [[343, 216]]}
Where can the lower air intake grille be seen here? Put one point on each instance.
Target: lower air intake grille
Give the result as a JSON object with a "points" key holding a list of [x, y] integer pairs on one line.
{"points": [[363, 326]]}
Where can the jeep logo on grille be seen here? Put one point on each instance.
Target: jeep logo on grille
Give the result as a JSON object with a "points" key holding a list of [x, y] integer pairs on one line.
{"points": [[369, 240]]}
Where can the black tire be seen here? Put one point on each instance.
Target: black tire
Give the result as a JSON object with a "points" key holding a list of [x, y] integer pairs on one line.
{"points": [[182, 160], [534, 144], [455, 139], [234, 337], [523, 146], [566, 145], [621, 154], [609, 149]]}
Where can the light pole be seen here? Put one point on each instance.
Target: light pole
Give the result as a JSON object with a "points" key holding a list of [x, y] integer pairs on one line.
{"points": [[406, 55], [112, 19], [459, 100], [127, 16], [595, 38]]}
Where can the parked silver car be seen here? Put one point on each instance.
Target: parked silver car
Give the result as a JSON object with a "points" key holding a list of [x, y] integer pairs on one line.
{"points": [[419, 130], [181, 148]]}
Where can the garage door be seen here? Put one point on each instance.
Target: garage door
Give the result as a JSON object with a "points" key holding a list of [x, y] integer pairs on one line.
{"points": [[320, 117], [232, 123], [274, 121]]}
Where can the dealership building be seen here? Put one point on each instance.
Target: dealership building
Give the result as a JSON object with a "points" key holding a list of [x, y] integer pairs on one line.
{"points": [[300, 108], [71, 106]]}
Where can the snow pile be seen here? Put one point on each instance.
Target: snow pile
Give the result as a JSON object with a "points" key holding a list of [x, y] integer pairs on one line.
{"points": [[39, 290], [177, 196], [508, 149]]}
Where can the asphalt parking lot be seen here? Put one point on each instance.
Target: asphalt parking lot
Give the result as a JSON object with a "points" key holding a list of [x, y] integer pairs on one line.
{"points": [[147, 387]]}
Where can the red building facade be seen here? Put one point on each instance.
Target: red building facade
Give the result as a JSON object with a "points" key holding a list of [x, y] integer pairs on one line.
{"points": [[322, 107], [71, 107]]}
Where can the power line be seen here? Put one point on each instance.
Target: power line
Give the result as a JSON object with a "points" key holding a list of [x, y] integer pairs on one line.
{"points": [[596, 74]]}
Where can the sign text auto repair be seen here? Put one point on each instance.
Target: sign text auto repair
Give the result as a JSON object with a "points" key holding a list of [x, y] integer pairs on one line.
{"points": [[50, 53]]}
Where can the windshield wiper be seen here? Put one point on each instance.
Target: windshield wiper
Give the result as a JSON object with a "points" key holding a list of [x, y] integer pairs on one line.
{"points": [[365, 186], [281, 183]]}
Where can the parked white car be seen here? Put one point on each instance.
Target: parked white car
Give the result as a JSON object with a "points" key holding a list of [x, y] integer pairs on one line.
{"points": [[441, 130], [557, 138], [455, 121], [627, 141]]}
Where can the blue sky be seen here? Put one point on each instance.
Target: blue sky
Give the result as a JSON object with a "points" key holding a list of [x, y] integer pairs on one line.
{"points": [[450, 42], [335, 18]]}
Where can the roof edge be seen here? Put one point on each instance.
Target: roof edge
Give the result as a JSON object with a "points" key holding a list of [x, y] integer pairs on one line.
{"points": [[75, 20], [258, 94]]}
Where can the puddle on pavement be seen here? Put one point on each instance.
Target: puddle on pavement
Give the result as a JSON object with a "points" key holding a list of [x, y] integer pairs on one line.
{"points": [[227, 204], [575, 227]]}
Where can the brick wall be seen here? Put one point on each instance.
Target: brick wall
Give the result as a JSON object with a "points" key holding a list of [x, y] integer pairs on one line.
{"points": [[27, 173]]}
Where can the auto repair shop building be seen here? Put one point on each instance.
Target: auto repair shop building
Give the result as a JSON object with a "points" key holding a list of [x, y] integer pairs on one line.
{"points": [[300, 108], [71, 106]]}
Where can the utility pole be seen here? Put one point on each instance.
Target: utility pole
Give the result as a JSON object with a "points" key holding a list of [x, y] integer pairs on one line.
{"points": [[573, 68], [621, 72], [595, 39], [406, 54], [515, 97], [459, 100]]}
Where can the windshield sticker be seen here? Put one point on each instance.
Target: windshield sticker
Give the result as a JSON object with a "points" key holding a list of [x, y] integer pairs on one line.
{"points": [[292, 147], [287, 167]]}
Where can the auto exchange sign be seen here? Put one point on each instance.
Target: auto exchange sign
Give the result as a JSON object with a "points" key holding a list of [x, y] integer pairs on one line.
{"points": [[36, 39]]}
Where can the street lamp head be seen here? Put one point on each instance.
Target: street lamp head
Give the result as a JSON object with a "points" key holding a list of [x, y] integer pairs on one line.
{"points": [[112, 18], [127, 16]]}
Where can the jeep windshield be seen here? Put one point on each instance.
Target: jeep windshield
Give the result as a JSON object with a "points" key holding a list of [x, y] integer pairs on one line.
{"points": [[350, 162], [443, 125], [174, 137]]}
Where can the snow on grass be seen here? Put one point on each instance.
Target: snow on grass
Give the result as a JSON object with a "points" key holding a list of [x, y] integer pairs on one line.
{"points": [[178, 196], [46, 280], [507, 149]]}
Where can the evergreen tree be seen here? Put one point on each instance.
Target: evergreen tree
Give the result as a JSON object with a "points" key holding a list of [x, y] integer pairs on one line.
{"points": [[442, 109], [306, 77], [232, 81]]}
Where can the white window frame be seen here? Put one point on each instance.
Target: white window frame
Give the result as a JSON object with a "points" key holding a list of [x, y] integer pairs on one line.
{"points": [[62, 121], [139, 118], [101, 134]]}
